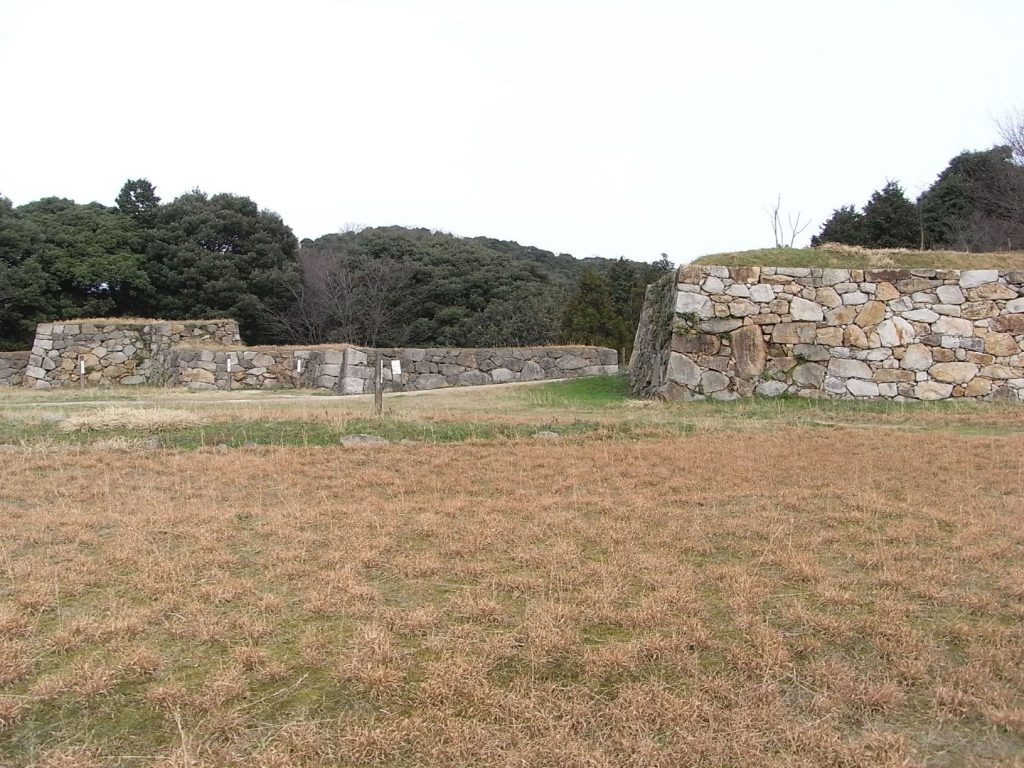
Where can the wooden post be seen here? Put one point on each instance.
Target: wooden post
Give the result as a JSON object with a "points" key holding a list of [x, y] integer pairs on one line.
{"points": [[81, 371], [298, 373], [378, 391]]}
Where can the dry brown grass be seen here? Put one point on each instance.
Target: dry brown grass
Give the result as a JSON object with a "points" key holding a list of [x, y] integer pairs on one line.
{"points": [[134, 321], [803, 598], [126, 417]]}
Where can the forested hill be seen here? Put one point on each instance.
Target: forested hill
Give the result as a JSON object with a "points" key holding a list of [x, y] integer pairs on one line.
{"points": [[221, 255], [561, 268], [417, 286]]}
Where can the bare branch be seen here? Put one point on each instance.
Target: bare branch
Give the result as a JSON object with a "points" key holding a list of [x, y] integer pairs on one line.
{"points": [[1011, 129]]}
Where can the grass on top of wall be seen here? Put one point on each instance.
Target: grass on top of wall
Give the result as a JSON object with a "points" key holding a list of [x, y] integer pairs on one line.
{"points": [[134, 321], [853, 257]]}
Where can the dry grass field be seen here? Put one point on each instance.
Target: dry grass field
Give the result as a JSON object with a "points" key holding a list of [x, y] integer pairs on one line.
{"points": [[749, 584]]}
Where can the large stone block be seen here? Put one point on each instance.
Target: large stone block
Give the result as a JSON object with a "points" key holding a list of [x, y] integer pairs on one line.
{"points": [[814, 352], [337, 356], [531, 372], [923, 315], [802, 309], [696, 343], [953, 373], [932, 390], [749, 351], [848, 369], [694, 303], [841, 315], [762, 293], [350, 385], [1008, 324], [794, 333], [896, 332], [995, 292], [809, 374], [723, 325], [870, 314], [1001, 344], [834, 276], [978, 310], [861, 388], [431, 381], [713, 381], [953, 326], [682, 370], [972, 278], [569, 363], [745, 274], [917, 357]]}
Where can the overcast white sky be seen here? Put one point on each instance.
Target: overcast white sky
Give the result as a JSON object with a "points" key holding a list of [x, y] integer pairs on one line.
{"points": [[594, 128]]}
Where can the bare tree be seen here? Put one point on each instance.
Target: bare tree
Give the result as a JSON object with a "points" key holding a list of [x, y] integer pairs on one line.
{"points": [[778, 228], [1011, 129], [383, 299], [323, 305], [345, 297]]}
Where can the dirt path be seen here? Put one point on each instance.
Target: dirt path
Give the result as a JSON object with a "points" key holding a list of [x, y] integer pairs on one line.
{"points": [[259, 396]]}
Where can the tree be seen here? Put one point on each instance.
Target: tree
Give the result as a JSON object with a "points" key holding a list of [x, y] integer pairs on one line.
{"points": [[222, 256], [91, 256], [139, 200], [589, 316], [1011, 129], [890, 220], [845, 225], [779, 228], [976, 203]]}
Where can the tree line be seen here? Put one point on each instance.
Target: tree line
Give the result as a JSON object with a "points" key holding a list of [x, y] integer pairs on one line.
{"points": [[975, 204], [221, 255]]}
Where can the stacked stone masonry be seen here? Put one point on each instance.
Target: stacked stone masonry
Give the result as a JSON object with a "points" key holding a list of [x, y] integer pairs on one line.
{"points": [[921, 334], [207, 355], [12, 368], [115, 352], [352, 370]]}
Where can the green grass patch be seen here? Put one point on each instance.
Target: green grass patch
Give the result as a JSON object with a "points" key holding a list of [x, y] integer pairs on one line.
{"points": [[850, 257], [593, 391], [306, 432]]}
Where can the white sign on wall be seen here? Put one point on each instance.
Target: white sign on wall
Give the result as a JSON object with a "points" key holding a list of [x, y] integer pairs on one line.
{"points": [[396, 367]]}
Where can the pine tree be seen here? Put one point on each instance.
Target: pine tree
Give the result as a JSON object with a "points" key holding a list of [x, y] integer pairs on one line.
{"points": [[590, 316], [139, 200], [890, 220], [846, 225]]}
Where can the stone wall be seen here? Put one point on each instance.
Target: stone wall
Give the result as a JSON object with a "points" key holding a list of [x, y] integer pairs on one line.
{"points": [[255, 368], [652, 346], [922, 334], [12, 368], [207, 354], [351, 370], [116, 352], [435, 368]]}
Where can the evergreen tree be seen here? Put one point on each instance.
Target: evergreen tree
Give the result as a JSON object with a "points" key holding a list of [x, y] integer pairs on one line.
{"points": [[590, 317], [222, 256], [846, 225], [976, 203], [890, 220], [139, 200]]}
